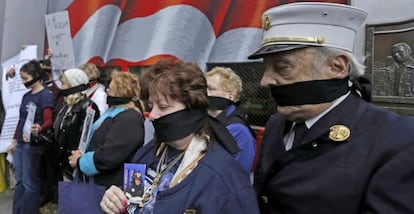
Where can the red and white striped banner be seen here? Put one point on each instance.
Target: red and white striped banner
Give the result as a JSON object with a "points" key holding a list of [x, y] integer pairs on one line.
{"points": [[139, 32]]}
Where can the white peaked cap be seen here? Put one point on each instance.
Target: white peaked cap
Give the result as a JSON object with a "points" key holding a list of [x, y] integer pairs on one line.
{"points": [[297, 25]]}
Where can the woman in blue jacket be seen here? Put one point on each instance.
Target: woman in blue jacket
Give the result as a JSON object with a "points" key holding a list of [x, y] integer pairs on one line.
{"points": [[189, 163]]}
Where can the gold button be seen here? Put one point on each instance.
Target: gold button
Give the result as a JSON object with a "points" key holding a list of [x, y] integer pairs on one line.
{"points": [[265, 199]]}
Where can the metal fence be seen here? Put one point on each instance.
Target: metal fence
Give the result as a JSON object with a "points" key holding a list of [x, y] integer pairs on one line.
{"points": [[255, 100]]}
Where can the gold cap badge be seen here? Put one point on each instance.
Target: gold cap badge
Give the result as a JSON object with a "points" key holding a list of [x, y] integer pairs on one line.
{"points": [[339, 133], [266, 22]]}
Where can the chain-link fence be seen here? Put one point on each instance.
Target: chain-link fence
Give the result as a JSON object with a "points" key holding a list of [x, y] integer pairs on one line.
{"points": [[255, 100]]}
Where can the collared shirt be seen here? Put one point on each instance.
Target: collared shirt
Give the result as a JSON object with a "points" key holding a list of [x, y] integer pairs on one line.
{"points": [[290, 136]]}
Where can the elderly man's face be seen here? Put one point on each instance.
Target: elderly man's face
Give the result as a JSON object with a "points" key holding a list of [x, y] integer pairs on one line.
{"points": [[291, 67], [400, 54]]}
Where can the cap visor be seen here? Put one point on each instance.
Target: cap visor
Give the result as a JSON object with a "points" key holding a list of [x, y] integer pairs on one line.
{"points": [[269, 49]]}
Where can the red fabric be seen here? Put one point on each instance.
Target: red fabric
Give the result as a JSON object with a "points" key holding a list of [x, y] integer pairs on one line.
{"points": [[15, 134], [259, 131], [92, 83], [47, 119]]}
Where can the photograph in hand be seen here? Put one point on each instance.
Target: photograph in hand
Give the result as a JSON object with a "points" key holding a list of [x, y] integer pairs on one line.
{"points": [[134, 182]]}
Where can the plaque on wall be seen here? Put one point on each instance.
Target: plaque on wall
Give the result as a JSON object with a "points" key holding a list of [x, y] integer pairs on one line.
{"points": [[390, 65]]}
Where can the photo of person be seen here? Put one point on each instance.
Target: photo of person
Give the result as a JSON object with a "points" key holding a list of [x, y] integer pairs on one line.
{"points": [[11, 72], [134, 182], [136, 189]]}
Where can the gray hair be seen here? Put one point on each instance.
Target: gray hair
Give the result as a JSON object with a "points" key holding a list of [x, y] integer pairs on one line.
{"points": [[356, 68]]}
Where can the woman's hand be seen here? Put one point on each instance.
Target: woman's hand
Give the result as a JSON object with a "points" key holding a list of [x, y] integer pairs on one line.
{"points": [[26, 138], [36, 128], [114, 201], [12, 147], [73, 159]]}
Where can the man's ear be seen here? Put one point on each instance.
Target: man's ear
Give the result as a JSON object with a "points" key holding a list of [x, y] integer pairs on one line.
{"points": [[340, 66]]}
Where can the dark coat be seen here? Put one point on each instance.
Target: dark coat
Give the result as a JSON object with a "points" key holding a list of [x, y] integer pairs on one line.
{"points": [[68, 130], [115, 142], [370, 172], [216, 185]]}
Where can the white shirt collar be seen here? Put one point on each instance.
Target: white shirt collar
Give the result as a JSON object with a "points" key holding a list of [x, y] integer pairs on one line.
{"points": [[309, 123]]}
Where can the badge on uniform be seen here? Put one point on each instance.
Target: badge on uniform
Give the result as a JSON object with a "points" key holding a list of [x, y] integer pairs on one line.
{"points": [[339, 133]]}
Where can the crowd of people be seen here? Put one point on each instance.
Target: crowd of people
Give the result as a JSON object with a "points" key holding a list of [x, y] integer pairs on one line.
{"points": [[327, 149]]}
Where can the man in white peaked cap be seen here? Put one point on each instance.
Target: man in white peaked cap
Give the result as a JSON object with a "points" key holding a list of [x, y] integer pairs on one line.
{"points": [[327, 150]]}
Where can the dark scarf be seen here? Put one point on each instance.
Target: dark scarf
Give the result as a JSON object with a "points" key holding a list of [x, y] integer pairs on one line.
{"points": [[73, 90], [182, 123], [218, 103]]}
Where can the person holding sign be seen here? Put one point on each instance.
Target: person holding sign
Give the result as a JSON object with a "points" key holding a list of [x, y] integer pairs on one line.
{"points": [[189, 164], [70, 119], [116, 135], [35, 118]]}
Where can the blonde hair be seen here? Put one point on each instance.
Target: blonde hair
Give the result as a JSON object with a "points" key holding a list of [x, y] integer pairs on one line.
{"points": [[229, 80], [91, 71], [125, 84], [72, 99]]}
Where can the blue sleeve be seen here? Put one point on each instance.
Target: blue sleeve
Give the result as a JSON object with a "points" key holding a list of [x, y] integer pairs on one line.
{"points": [[246, 143], [87, 165], [48, 100]]}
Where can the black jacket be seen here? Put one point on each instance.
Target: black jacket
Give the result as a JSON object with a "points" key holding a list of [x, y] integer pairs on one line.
{"points": [[115, 142], [67, 130]]}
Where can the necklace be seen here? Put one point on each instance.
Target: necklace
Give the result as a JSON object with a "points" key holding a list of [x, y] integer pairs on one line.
{"points": [[160, 171], [186, 170]]}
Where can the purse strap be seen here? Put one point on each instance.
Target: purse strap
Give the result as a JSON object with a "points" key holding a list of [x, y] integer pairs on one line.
{"points": [[79, 177]]}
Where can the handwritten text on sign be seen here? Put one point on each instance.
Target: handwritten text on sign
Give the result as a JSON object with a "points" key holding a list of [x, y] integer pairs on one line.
{"points": [[60, 40]]}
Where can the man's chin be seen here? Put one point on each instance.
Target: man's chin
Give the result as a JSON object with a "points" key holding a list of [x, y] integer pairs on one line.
{"points": [[292, 113], [287, 110]]}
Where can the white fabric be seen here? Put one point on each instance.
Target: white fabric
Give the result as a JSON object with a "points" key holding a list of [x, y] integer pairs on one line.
{"points": [[98, 97], [76, 77], [336, 23], [197, 145]]}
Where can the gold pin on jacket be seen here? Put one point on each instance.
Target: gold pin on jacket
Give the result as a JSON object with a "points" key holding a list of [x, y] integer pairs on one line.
{"points": [[339, 133]]}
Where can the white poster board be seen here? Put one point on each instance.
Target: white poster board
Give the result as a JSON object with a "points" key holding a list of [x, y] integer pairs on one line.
{"points": [[12, 92], [60, 40], [31, 113], [86, 130]]}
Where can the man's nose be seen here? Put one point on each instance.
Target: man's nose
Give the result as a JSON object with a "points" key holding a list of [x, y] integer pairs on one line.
{"points": [[267, 80]]}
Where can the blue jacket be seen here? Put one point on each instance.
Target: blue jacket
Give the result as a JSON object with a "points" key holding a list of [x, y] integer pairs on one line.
{"points": [[369, 172], [216, 185], [236, 123]]}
